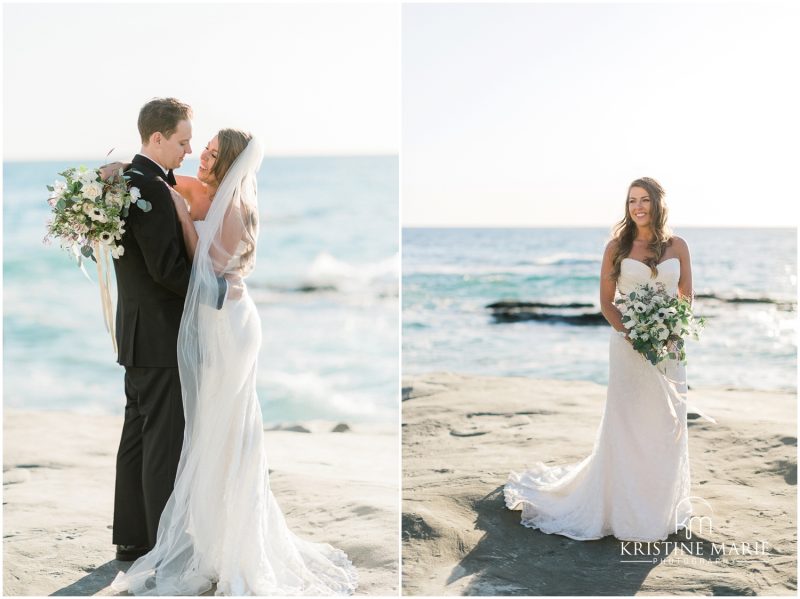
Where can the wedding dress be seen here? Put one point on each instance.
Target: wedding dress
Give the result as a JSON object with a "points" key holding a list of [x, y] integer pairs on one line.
{"points": [[635, 485], [222, 523]]}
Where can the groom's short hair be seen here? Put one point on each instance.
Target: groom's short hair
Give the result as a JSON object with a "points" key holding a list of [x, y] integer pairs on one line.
{"points": [[162, 114]]}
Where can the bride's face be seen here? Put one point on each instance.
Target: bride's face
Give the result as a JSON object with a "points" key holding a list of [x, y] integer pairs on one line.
{"points": [[639, 206], [208, 158]]}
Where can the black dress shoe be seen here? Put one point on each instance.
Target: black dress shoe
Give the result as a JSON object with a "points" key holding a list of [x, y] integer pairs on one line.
{"points": [[129, 553]]}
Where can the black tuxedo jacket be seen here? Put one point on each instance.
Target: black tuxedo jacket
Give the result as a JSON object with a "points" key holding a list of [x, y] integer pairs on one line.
{"points": [[152, 274]]}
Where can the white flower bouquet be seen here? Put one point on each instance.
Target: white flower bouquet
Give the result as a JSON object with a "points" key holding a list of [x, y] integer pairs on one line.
{"points": [[89, 213], [658, 322], [89, 220]]}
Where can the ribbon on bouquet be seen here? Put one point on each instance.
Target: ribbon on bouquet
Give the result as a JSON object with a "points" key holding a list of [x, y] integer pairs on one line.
{"points": [[670, 388], [103, 282]]}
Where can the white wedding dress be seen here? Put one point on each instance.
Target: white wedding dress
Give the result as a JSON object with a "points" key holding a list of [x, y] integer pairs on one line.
{"points": [[635, 485], [222, 524]]}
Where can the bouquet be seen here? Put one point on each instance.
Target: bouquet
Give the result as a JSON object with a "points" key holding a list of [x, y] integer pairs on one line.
{"points": [[658, 322], [89, 213], [89, 220]]}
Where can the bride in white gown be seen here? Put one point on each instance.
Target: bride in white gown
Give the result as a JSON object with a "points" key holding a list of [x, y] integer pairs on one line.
{"points": [[635, 484], [222, 524]]}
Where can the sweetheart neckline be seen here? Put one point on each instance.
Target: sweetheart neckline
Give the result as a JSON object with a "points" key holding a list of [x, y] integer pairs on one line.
{"points": [[647, 265]]}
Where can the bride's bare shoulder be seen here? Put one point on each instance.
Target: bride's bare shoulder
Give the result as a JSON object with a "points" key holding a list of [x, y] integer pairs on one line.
{"points": [[611, 247], [188, 184], [679, 244], [196, 193]]}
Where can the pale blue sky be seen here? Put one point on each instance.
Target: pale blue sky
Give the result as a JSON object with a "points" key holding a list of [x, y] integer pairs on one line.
{"points": [[541, 114], [309, 78]]}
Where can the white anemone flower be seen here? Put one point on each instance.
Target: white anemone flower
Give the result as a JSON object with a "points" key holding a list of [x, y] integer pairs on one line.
{"points": [[98, 215]]}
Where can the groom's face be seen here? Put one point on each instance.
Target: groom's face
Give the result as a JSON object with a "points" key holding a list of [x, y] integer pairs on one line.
{"points": [[174, 148]]}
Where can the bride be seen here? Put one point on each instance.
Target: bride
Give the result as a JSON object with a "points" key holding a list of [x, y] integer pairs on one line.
{"points": [[635, 484], [222, 524]]}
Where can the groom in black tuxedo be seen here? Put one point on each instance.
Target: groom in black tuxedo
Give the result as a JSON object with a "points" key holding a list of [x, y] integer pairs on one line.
{"points": [[152, 281]]}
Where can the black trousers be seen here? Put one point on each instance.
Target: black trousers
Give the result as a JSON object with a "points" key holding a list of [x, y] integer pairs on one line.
{"points": [[148, 455]]}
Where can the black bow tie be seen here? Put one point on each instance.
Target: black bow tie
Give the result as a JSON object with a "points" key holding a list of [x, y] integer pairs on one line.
{"points": [[171, 178]]}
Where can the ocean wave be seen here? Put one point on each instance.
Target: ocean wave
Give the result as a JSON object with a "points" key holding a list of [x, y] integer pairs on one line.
{"points": [[522, 267], [567, 258], [328, 273], [323, 395]]}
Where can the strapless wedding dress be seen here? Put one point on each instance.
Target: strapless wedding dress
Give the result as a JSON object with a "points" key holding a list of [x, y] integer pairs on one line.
{"points": [[635, 485], [222, 525]]}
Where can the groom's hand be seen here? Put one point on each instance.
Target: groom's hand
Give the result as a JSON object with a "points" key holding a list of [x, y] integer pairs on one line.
{"points": [[235, 286]]}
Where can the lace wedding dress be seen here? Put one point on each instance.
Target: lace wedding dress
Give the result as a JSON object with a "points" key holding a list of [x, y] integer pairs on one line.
{"points": [[635, 484], [222, 524]]}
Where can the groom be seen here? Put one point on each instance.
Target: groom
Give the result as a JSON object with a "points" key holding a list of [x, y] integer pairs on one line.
{"points": [[152, 281]]}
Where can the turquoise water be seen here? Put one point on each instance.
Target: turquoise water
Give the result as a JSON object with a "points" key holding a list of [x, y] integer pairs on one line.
{"points": [[450, 275], [326, 285]]}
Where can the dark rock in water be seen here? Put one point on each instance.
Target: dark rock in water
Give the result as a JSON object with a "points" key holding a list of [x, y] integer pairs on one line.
{"points": [[341, 428], [570, 313], [512, 304], [295, 428], [745, 300], [586, 319], [315, 288]]}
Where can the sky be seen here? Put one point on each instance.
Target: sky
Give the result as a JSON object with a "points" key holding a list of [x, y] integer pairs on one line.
{"points": [[542, 114], [310, 79]]}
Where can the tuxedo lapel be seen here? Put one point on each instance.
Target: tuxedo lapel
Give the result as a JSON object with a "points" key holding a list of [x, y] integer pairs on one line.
{"points": [[147, 166]]}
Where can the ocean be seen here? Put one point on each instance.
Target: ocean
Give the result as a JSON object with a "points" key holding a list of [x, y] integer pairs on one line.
{"points": [[745, 281], [325, 283]]}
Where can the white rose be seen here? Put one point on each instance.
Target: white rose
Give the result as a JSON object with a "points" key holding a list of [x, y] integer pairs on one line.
{"points": [[135, 193], [92, 190], [59, 187], [86, 176]]}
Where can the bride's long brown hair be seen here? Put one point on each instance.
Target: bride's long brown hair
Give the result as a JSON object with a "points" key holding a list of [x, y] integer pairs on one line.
{"points": [[625, 230], [233, 142]]}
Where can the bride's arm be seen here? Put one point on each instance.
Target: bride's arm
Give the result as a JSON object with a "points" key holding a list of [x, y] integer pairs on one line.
{"points": [[608, 288], [685, 288], [187, 225]]}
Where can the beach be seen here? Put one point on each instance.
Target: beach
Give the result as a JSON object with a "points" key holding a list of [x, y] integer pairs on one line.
{"points": [[462, 434], [58, 481]]}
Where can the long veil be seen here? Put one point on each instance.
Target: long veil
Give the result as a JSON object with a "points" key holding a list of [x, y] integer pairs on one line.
{"points": [[222, 524]]}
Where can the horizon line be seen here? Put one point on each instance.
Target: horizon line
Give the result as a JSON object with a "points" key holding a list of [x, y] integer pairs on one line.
{"points": [[266, 155], [567, 226]]}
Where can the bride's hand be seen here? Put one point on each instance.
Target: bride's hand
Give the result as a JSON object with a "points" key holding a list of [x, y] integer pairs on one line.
{"points": [[110, 170]]}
